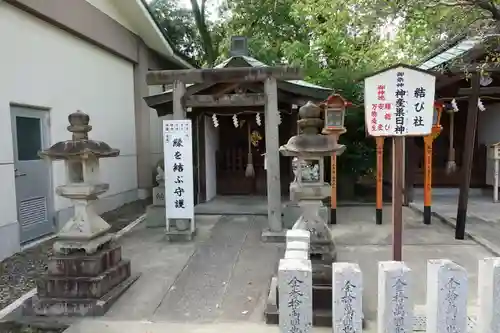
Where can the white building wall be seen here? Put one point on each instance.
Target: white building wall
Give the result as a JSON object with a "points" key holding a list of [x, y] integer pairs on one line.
{"points": [[44, 66], [211, 147], [488, 133]]}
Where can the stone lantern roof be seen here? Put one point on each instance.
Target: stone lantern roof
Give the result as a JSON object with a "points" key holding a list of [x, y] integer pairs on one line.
{"points": [[80, 146], [310, 142]]}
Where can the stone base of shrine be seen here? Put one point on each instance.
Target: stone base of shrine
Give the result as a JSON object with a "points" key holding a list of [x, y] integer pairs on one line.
{"points": [[174, 235], [81, 284], [155, 217], [322, 305], [292, 212]]}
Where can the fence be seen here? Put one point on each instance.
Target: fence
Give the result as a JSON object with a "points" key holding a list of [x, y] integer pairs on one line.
{"points": [[447, 287]]}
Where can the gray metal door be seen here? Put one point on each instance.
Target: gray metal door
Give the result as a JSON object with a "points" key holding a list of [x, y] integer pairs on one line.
{"points": [[32, 174]]}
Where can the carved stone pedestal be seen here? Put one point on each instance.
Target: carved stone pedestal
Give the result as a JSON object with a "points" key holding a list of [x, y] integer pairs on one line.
{"points": [[81, 284]]}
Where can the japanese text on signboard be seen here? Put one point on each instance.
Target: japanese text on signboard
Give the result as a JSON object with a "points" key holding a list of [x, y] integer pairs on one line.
{"points": [[399, 102], [178, 168]]}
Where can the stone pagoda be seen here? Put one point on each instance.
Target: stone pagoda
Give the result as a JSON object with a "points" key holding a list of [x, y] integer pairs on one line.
{"points": [[86, 273], [308, 189]]}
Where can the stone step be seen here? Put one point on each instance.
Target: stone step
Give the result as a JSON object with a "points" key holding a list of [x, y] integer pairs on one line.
{"points": [[78, 265], [83, 287]]}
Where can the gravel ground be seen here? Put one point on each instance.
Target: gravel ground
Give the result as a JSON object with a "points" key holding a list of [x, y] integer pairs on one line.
{"points": [[18, 273]]}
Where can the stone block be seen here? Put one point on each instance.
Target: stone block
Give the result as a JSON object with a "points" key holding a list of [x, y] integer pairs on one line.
{"points": [[67, 307], [347, 294], [489, 295], [155, 217], [159, 196], [395, 302], [298, 235], [82, 265], [296, 255], [446, 303], [295, 301], [292, 212], [297, 246], [83, 287], [78, 246]]}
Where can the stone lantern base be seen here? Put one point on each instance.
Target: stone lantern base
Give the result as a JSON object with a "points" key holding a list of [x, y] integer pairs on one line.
{"points": [[81, 284]]}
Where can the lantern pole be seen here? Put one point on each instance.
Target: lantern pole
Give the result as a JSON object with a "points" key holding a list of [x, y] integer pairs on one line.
{"points": [[428, 142], [334, 114], [380, 174]]}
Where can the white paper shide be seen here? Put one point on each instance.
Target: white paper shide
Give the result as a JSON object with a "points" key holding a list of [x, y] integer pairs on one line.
{"points": [[399, 102], [178, 154]]}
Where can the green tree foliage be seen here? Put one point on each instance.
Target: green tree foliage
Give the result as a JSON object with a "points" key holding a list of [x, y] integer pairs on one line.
{"points": [[337, 42]]}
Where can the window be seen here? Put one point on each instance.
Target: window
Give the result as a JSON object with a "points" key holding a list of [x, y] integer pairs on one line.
{"points": [[29, 138]]}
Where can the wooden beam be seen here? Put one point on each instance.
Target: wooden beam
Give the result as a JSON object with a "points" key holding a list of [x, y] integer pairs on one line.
{"points": [[441, 83], [196, 101], [482, 91], [225, 89], [217, 75], [466, 167]]}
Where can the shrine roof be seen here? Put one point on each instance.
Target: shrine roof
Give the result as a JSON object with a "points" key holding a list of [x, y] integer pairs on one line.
{"points": [[299, 88]]}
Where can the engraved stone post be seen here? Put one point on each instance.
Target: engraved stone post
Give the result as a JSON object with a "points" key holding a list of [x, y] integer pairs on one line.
{"points": [[395, 302], [347, 292], [489, 296], [295, 300], [446, 297]]}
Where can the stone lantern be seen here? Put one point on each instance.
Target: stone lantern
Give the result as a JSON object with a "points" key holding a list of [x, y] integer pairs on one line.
{"points": [[86, 273], [308, 190]]}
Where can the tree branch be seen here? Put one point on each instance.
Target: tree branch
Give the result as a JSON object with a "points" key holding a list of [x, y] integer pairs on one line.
{"points": [[445, 3]]}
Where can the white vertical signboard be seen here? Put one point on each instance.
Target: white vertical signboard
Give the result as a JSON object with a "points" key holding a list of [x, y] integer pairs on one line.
{"points": [[178, 154], [399, 102]]}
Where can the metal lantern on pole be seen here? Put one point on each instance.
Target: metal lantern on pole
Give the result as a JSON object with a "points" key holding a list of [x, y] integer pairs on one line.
{"points": [[334, 113]]}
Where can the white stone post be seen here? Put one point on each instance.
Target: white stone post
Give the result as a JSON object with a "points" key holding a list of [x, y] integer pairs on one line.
{"points": [[273, 156], [446, 297], [347, 295], [297, 250], [395, 301], [488, 320], [298, 235], [295, 296]]}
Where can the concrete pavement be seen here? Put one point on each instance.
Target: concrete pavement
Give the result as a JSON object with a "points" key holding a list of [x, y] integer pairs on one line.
{"points": [[220, 281]]}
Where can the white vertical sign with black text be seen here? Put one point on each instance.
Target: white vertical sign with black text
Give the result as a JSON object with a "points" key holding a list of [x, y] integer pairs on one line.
{"points": [[178, 154], [399, 102]]}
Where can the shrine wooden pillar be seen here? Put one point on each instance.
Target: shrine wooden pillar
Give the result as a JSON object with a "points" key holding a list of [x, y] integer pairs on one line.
{"points": [[268, 75], [273, 156]]}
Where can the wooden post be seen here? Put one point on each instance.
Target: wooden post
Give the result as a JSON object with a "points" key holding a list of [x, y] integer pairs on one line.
{"points": [[397, 197], [333, 197], [470, 137], [428, 139], [410, 170], [380, 174]]}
